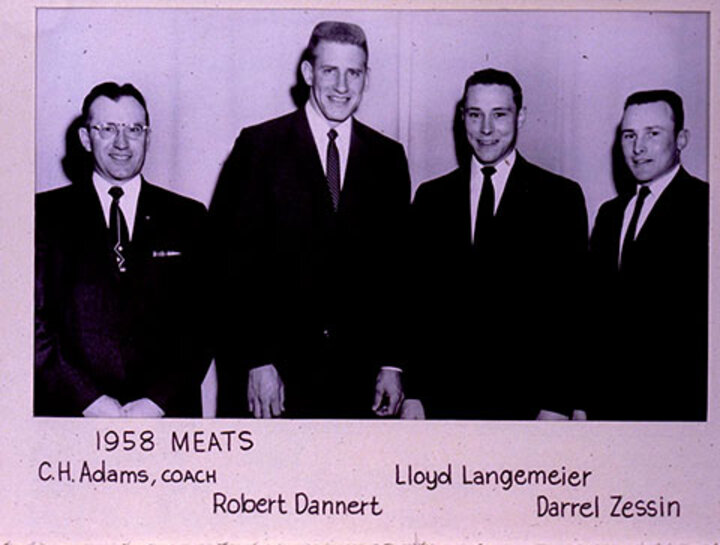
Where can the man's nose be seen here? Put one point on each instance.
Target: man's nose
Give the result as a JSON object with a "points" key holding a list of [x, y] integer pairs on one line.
{"points": [[341, 83], [486, 124], [121, 140], [639, 145]]}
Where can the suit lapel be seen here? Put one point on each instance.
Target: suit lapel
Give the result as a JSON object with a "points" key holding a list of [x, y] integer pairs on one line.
{"points": [[664, 208], [359, 155], [143, 214], [143, 229], [460, 197], [515, 195], [304, 179], [90, 210], [91, 232]]}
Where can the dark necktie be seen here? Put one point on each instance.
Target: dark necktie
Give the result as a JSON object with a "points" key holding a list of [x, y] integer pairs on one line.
{"points": [[118, 229], [629, 240], [485, 209], [333, 168]]}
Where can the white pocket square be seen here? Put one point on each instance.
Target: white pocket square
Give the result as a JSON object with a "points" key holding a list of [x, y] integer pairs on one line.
{"points": [[166, 253]]}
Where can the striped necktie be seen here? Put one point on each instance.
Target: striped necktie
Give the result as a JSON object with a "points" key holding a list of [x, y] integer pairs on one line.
{"points": [[333, 168]]}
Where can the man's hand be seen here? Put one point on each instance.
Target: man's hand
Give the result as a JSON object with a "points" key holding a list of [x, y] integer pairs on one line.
{"points": [[412, 409], [388, 392], [142, 408], [104, 407], [266, 392]]}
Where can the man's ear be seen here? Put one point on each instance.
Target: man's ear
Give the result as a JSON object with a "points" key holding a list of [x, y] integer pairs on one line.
{"points": [[682, 139], [307, 72], [521, 117], [84, 136]]}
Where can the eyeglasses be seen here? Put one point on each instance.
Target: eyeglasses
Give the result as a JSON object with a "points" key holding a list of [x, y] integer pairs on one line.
{"points": [[109, 131]]}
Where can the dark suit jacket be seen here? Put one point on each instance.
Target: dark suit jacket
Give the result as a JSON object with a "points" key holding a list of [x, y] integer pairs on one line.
{"points": [[312, 291], [497, 329], [127, 337], [652, 315]]}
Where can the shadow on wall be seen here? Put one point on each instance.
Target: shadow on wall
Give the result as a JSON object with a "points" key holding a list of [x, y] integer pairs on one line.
{"points": [[463, 151], [622, 177], [77, 164], [300, 92]]}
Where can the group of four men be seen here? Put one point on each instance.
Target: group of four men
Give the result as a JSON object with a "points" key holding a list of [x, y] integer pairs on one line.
{"points": [[321, 292]]}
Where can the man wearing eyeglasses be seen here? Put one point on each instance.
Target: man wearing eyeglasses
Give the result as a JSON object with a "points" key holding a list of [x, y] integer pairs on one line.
{"points": [[308, 215], [117, 308]]}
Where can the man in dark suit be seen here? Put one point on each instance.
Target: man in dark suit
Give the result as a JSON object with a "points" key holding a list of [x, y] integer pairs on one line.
{"points": [[649, 251], [117, 323], [308, 218], [500, 247]]}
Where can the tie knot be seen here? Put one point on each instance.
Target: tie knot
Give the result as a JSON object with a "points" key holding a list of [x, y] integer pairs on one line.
{"points": [[332, 135], [644, 192], [488, 171], [116, 192]]}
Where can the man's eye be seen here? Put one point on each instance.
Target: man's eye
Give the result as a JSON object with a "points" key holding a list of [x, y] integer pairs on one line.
{"points": [[628, 136]]}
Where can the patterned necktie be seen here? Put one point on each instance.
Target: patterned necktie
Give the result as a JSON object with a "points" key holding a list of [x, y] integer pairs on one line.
{"points": [[629, 240], [333, 168], [485, 209], [118, 229]]}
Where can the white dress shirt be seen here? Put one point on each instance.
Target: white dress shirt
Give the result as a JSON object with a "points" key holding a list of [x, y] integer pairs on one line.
{"points": [[128, 202], [320, 127], [656, 187], [499, 181]]}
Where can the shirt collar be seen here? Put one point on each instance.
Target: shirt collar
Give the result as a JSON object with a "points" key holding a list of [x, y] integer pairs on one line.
{"points": [[131, 187], [658, 185], [502, 171], [128, 202], [320, 127]]}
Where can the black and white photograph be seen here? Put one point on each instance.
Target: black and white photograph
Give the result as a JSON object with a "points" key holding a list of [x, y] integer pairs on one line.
{"points": [[371, 274]]}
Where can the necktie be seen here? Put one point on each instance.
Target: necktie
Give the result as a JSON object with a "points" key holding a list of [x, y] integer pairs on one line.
{"points": [[486, 208], [333, 168], [629, 240], [118, 229]]}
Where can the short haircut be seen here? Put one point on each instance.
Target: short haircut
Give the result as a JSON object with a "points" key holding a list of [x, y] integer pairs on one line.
{"points": [[114, 92], [492, 76], [671, 98], [336, 31]]}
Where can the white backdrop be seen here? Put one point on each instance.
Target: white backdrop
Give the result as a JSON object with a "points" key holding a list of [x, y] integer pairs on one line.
{"points": [[207, 73]]}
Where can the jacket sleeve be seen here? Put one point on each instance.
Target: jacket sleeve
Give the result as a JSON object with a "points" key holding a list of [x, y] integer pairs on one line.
{"points": [[240, 242], [61, 388]]}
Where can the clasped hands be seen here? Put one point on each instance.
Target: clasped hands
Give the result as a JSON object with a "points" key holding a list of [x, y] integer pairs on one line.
{"points": [[109, 407]]}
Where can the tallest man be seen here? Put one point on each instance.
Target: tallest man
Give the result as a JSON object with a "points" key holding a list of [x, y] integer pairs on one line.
{"points": [[308, 217]]}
